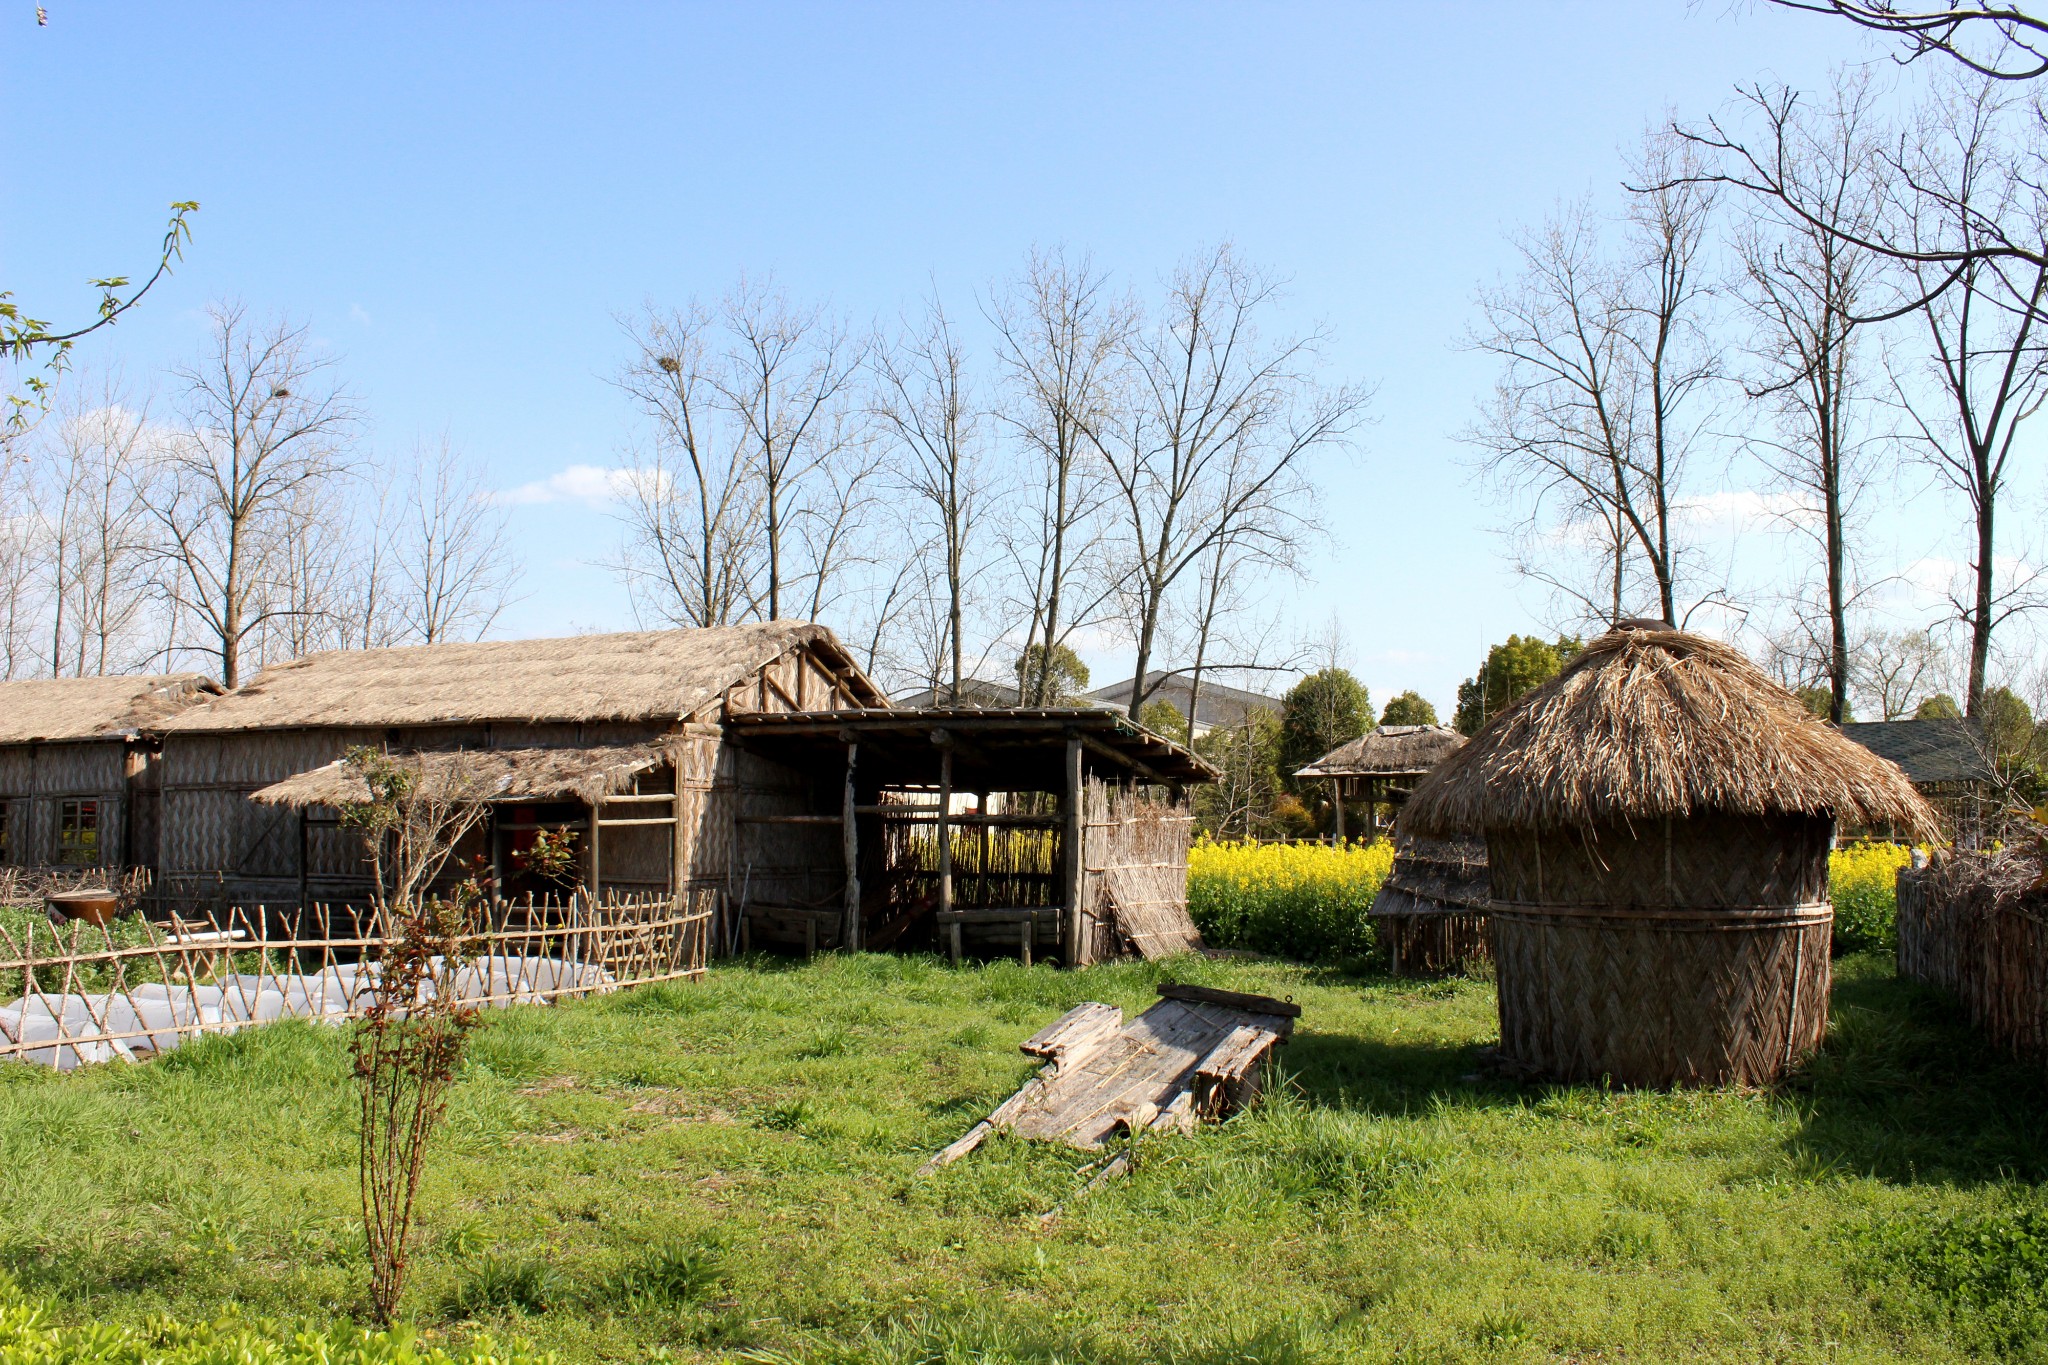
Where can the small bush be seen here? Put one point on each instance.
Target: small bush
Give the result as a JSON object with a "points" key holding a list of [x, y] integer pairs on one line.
{"points": [[1989, 1272], [672, 1275], [490, 1282], [1309, 902]]}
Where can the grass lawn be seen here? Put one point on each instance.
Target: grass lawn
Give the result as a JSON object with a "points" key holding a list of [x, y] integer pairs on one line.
{"points": [[726, 1168]]}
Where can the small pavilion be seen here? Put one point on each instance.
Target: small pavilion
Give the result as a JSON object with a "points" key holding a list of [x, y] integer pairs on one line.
{"points": [[1382, 767]]}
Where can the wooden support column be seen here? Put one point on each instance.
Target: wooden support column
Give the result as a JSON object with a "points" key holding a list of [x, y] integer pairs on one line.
{"points": [[945, 826], [596, 807], [1073, 863], [855, 932], [1337, 801], [305, 873]]}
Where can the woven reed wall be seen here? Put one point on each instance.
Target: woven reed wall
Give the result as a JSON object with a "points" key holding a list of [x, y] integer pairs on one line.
{"points": [[1431, 910], [1136, 888], [1977, 927], [34, 778], [1691, 952]]}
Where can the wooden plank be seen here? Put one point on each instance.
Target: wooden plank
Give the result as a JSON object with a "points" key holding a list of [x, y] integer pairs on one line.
{"points": [[850, 850], [788, 819], [1236, 1000], [1074, 1034], [1237, 1054], [1073, 858]]}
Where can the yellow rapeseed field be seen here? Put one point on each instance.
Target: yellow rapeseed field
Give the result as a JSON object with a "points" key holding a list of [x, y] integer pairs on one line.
{"points": [[1311, 901]]}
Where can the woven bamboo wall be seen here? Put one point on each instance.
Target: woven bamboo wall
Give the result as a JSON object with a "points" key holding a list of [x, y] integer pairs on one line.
{"points": [[1976, 926], [1135, 896], [34, 778], [1657, 957]]}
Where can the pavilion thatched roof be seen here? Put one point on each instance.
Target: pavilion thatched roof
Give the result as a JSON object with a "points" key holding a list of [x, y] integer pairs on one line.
{"points": [[1389, 751], [1649, 722], [46, 709]]}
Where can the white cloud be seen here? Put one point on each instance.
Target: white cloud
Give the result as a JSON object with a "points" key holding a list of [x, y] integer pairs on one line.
{"points": [[358, 313], [590, 484], [1738, 511]]}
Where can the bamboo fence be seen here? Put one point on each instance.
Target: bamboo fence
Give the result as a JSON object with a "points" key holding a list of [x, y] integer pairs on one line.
{"points": [[1976, 926], [83, 992]]}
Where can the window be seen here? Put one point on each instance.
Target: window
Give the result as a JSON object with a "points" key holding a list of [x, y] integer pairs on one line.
{"points": [[78, 832]]}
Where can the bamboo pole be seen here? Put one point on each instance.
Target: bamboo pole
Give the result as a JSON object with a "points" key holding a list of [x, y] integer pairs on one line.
{"points": [[850, 845]]}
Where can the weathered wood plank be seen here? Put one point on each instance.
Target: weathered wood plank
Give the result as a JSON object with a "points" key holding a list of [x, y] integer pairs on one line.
{"points": [[1237, 1000]]}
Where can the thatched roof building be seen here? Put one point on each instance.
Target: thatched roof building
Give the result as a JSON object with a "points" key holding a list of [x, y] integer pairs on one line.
{"points": [[1658, 819], [1648, 723], [754, 769], [77, 773]]}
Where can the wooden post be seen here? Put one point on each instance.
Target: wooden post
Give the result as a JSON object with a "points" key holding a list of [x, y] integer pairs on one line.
{"points": [[305, 843], [1073, 863], [595, 807], [1337, 799], [945, 825], [855, 931]]}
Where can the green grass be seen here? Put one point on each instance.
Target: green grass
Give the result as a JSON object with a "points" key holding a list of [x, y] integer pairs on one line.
{"points": [[725, 1170]]}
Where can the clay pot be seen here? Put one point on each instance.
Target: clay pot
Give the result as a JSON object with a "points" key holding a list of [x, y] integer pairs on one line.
{"points": [[94, 907]]}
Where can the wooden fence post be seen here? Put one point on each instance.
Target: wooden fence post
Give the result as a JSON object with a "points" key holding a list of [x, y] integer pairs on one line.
{"points": [[1074, 860]]}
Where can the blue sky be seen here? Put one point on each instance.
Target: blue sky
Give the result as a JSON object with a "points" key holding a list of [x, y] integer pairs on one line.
{"points": [[462, 199]]}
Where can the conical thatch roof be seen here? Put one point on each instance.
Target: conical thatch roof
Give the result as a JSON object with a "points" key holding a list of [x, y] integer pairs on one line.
{"points": [[42, 709], [1391, 750], [1648, 722], [642, 675]]}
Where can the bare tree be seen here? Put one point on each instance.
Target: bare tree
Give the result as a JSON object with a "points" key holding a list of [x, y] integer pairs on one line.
{"points": [[1894, 670], [788, 379], [691, 510], [1216, 439], [1061, 339], [264, 424], [97, 533], [924, 403], [21, 583], [1604, 360], [1984, 371], [1807, 288], [453, 564], [2000, 41]]}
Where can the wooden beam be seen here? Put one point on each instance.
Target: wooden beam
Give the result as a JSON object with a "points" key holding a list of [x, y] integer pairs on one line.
{"points": [[783, 819], [945, 826], [1074, 864], [1121, 759], [850, 844]]}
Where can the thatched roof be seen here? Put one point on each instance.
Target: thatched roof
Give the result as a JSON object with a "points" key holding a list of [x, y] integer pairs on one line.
{"points": [[646, 675], [1651, 722], [1931, 752], [500, 774], [1390, 751], [90, 708]]}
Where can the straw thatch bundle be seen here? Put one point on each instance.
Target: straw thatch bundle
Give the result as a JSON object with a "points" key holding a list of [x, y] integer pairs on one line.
{"points": [[644, 675], [1646, 723], [1976, 926], [490, 774], [1657, 820], [48, 709]]}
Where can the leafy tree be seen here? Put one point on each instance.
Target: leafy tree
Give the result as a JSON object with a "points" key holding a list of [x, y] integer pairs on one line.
{"points": [[1162, 717], [1940, 706], [1410, 708], [1523, 663], [1821, 702], [2008, 724], [1059, 676], [1327, 708]]}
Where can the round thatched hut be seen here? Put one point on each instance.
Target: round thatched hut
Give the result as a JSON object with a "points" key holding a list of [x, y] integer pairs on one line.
{"points": [[1657, 822], [1431, 910]]}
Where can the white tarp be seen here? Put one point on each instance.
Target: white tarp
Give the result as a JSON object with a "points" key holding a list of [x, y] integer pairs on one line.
{"points": [[79, 1029]]}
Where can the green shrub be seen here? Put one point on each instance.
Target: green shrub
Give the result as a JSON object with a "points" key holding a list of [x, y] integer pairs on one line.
{"points": [[673, 1275], [29, 1336], [1987, 1272], [492, 1282], [1863, 883]]}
